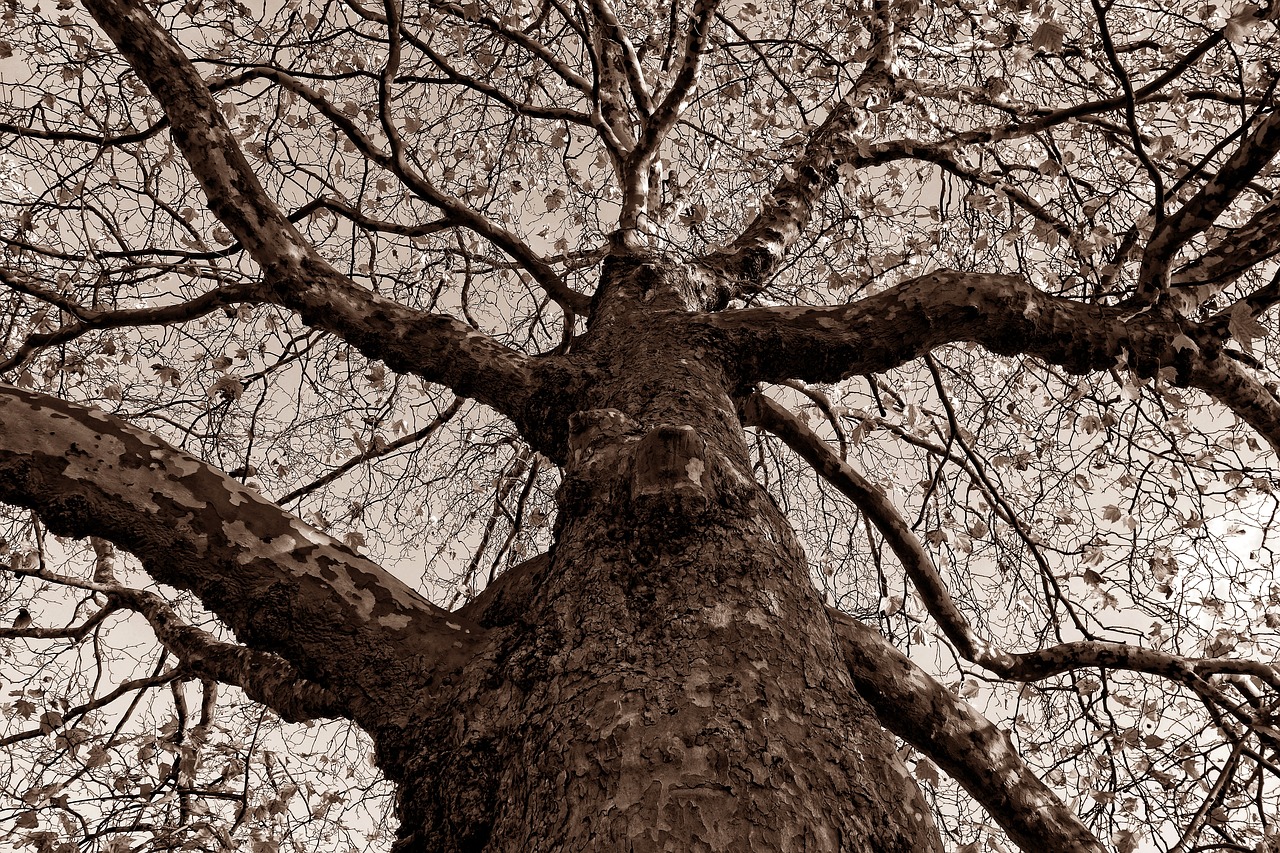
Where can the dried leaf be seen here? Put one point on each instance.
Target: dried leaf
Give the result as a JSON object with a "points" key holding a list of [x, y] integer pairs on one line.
{"points": [[1048, 37]]}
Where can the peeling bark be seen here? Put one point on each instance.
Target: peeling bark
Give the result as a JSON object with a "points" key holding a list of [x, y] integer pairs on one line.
{"points": [[1005, 315], [671, 680], [961, 741], [666, 677], [282, 586]]}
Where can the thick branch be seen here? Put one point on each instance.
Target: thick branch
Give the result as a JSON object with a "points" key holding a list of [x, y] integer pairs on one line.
{"points": [[282, 586], [659, 121], [763, 412], [1236, 251], [1002, 313], [751, 258], [611, 28], [264, 677], [1028, 666], [683, 87], [968, 747], [1204, 207], [439, 348]]}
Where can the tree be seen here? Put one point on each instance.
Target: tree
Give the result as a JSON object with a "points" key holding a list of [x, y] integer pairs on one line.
{"points": [[651, 426]]}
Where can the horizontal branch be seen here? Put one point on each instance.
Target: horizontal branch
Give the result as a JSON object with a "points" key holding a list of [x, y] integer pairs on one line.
{"points": [[282, 586], [1002, 313], [264, 677], [91, 319], [74, 632], [76, 711]]}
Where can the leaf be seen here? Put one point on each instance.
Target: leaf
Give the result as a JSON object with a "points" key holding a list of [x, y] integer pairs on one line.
{"points": [[1181, 342], [1244, 327], [1238, 27], [229, 387], [97, 756], [49, 721], [1048, 37], [926, 772]]}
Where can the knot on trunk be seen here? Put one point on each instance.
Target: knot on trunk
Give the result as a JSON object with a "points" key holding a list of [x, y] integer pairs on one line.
{"points": [[670, 471]]}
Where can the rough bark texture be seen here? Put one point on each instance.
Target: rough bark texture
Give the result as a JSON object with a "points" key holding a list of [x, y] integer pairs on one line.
{"points": [[669, 680], [666, 678], [281, 585]]}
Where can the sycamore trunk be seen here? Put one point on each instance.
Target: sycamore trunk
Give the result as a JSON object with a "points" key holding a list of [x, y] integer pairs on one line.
{"points": [[667, 678]]}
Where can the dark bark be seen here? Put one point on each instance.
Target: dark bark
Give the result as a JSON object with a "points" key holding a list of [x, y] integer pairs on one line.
{"points": [[667, 679], [286, 589]]}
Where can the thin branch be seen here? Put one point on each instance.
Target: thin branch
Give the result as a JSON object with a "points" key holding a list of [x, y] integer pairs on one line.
{"points": [[436, 347], [96, 320], [102, 701], [919, 566], [1130, 110], [264, 677], [372, 453]]}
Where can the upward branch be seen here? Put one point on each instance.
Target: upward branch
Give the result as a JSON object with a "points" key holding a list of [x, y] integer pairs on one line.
{"points": [[436, 347], [787, 210], [1172, 233], [658, 122]]}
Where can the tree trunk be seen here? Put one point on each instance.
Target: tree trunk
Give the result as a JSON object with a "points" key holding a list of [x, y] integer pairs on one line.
{"points": [[668, 679]]}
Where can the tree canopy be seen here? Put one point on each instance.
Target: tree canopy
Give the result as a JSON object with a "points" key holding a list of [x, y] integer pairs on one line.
{"points": [[307, 309]]}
